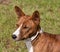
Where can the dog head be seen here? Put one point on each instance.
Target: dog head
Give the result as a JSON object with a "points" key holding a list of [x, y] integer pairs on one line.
{"points": [[27, 26]]}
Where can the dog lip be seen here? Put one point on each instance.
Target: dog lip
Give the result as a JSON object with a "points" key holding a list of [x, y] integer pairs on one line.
{"points": [[20, 39], [17, 39], [23, 38]]}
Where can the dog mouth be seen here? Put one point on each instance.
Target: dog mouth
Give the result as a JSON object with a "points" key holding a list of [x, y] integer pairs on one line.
{"points": [[17, 38]]}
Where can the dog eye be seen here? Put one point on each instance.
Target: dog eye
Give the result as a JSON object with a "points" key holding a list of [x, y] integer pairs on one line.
{"points": [[25, 27]]}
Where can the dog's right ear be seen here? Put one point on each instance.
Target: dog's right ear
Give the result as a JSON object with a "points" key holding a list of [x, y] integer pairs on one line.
{"points": [[36, 17], [19, 12]]}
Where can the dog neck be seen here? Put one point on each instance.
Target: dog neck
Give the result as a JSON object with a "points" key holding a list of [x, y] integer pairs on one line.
{"points": [[29, 40], [33, 37], [29, 45]]}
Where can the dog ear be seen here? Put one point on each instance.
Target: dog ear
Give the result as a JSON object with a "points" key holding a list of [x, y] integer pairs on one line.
{"points": [[19, 11], [36, 17]]}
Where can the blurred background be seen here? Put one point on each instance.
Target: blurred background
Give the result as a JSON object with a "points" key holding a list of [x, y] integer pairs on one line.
{"points": [[49, 14]]}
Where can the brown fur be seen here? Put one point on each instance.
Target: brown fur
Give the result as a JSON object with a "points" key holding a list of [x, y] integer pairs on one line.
{"points": [[44, 42]]}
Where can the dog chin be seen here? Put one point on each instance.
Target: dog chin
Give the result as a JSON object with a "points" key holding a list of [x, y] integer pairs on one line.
{"points": [[19, 39]]}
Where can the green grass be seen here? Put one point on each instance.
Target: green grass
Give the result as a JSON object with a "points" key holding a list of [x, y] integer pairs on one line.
{"points": [[49, 14]]}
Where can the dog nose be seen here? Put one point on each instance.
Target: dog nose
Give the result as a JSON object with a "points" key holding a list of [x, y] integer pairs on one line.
{"points": [[14, 36]]}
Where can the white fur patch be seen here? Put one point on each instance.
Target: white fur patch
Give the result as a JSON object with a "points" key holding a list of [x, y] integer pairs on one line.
{"points": [[17, 32], [29, 45]]}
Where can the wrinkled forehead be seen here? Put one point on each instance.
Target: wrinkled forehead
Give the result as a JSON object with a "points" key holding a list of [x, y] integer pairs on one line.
{"points": [[23, 19]]}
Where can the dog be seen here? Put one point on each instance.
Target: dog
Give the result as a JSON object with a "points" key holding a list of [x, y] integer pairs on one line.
{"points": [[29, 30]]}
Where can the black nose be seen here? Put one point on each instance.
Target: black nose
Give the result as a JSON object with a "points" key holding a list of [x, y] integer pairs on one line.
{"points": [[14, 36]]}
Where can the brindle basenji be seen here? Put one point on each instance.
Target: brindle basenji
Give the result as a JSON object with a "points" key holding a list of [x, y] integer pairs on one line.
{"points": [[29, 30]]}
